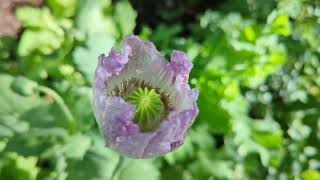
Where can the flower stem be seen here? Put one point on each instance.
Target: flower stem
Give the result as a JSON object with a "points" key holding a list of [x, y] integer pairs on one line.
{"points": [[118, 166], [60, 102]]}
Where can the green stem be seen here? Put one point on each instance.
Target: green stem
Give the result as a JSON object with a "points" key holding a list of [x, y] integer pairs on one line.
{"points": [[118, 166], [60, 102]]}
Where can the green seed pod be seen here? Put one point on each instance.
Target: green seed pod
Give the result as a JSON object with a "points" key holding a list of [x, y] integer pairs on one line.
{"points": [[149, 108]]}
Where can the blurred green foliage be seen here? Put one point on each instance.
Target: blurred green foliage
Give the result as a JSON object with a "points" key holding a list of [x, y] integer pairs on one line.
{"points": [[256, 64]]}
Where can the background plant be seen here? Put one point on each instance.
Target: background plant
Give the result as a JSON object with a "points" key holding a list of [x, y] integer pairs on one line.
{"points": [[256, 64]]}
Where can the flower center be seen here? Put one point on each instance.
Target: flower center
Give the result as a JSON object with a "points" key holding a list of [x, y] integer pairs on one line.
{"points": [[149, 108]]}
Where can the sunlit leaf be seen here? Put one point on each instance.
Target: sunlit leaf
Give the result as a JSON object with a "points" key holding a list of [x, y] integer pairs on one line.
{"points": [[86, 58]]}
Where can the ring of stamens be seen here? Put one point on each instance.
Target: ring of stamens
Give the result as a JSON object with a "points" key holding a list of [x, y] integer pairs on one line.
{"points": [[152, 105]]}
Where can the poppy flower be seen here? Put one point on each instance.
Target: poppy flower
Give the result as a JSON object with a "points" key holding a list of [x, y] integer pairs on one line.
{"points": [[142, 103]]}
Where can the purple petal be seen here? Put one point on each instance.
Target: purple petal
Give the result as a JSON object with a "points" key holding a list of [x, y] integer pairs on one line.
{"points": [[180, 63], [171, 133], [123, 135], [106, 68], [115, 62]]}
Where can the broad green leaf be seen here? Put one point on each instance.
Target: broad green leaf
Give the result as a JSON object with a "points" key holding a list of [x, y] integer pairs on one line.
{"points": [[98, 163], [93, 166], [139, 170], [91, 18], [77, 146], [212, 113], [86, 59], [12, 103], [83, 99], [36, 141], [9, 125], [39, 117], [125, 17], [23, 86]]}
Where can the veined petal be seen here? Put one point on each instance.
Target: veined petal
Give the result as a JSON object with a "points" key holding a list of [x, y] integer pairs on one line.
{"points": [[145, 65], [123, 135], [180, 63], [106, 68], [171, 133]]}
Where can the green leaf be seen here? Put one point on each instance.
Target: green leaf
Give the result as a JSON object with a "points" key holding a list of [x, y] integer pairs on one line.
{"points": [[268, 134], [12, 103], [48, 115], [272, 141], [77, 146], [139, 169], [39, 117], [24, 86], [43, 33], [37, 141], [206, 168], [250, 33], [98, 163], [93, 166], [86, 58], [3, 144], [38, 19], [42, 41], [83, 99], [125, 17], [91, 18], [212, 113], [280, 24], [63, 8], [310, 175], [251, 147], [201, 138], [18, 167], [9, 125], [163, 35]]}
